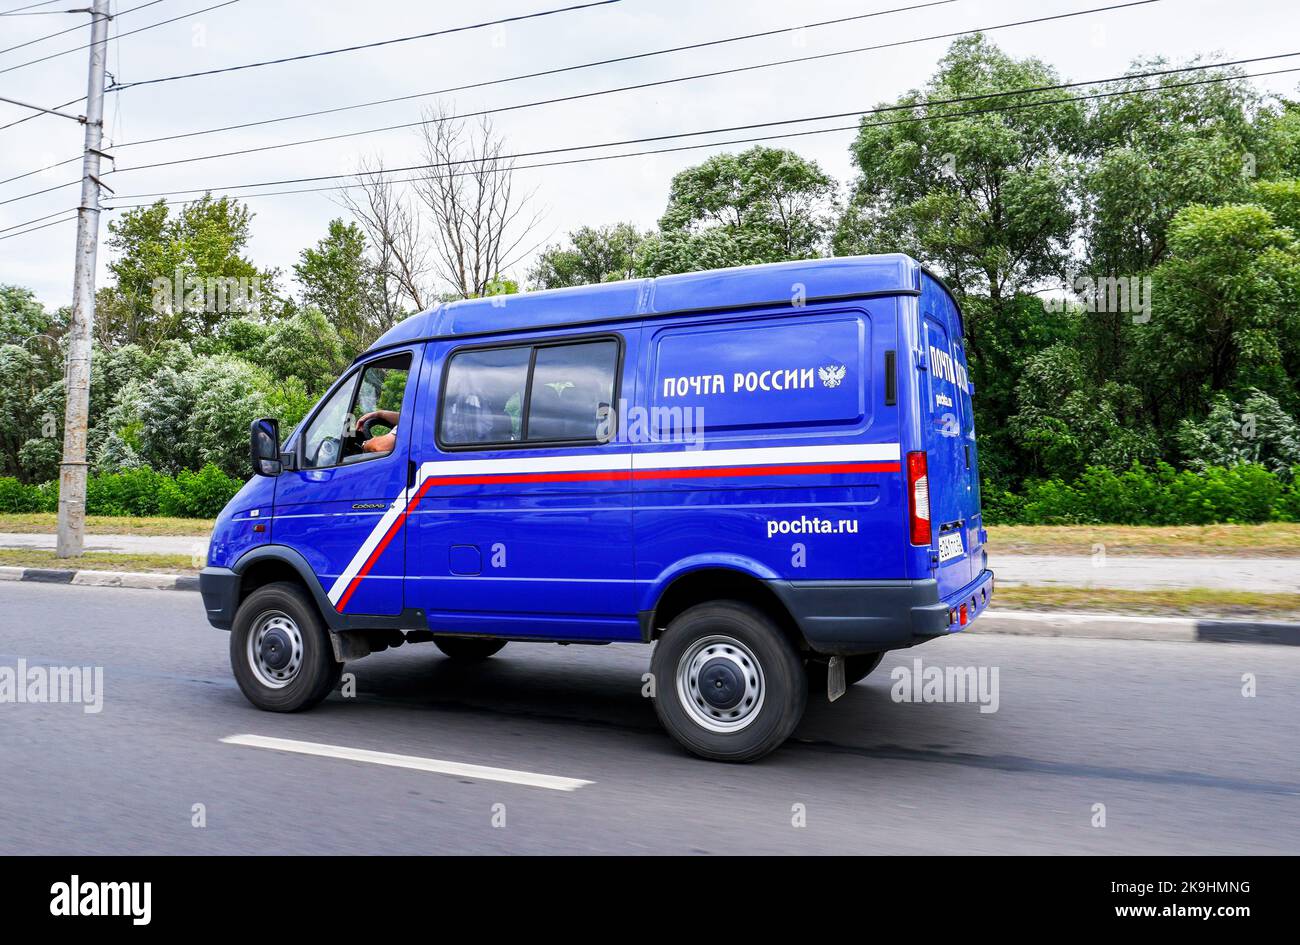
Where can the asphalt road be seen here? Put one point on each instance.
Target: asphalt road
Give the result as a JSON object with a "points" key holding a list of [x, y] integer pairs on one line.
{"points": [[1159, 733]]}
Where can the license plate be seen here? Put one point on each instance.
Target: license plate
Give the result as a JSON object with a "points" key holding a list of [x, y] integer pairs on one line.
{"points": [[950, 546]]}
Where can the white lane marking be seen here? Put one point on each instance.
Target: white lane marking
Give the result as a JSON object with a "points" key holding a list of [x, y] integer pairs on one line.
{"points": [[414, 762]]}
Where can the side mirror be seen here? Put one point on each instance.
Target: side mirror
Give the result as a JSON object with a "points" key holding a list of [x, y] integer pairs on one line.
{"points": [[264, 447]]}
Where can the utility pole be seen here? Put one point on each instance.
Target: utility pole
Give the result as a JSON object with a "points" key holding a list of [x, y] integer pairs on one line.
{"points": [[76, 414]]}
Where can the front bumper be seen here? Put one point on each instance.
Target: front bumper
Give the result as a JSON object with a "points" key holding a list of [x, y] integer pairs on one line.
{"points": [[220, 589], [844, 618]]}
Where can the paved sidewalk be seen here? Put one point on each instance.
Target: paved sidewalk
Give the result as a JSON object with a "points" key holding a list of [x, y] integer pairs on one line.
{"points": [[124, 544], [1261, 575]]}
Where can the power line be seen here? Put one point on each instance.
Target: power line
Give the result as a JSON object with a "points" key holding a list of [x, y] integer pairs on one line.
{"points": [[44, 226], [894, 121], [536, 75], [30, 6], [402, 39], [385, 42], [654, 84], [709, 144], [515, 78], [38, 219], [183, 16], [826, 117], [73, 29]]}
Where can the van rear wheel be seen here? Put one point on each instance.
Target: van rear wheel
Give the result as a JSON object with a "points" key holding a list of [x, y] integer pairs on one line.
{"points": [[466, 650], [280, 650], [729, 686]]}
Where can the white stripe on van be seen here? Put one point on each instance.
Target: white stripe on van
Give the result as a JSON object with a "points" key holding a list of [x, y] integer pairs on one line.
{"points": [[599, 462], [385, 522]]}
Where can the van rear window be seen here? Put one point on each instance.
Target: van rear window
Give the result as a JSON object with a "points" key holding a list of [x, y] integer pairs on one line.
{"points": [[804, 372]]}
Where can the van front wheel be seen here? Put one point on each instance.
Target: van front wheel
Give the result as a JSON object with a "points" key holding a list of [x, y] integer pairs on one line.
{"points": [[280, 650], [728, 684]]}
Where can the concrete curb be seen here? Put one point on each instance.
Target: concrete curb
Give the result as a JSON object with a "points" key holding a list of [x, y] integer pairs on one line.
{"points": [[145, 580], [1102, 626], [1095, 626]]}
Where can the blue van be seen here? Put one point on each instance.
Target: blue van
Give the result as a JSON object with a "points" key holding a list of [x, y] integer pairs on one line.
{"points": [[769, 472]]}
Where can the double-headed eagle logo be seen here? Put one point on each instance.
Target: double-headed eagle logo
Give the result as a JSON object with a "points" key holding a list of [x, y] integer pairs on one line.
{"points": [[832, 375]]}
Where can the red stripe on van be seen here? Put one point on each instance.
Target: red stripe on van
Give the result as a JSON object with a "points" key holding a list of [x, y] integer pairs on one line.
{"points": [[383, 543], [684, 472], [606, 475]]}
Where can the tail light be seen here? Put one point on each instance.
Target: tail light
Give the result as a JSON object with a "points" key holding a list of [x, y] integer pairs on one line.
{"points": [[918, 498]]}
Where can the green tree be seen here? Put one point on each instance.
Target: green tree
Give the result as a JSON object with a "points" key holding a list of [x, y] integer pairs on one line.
{"points": [[181, 276], [988, 199], [591, 255], [1151, 154], [1227, 310], [1256, 430], [339, 279], [304, 346], [762, 205], [22, 317]]}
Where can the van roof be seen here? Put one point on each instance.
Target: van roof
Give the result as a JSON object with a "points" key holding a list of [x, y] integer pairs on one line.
{"points": [[767, 284]]}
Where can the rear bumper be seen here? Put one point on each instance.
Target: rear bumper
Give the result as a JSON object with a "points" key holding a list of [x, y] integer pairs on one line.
{"points": [[220, 589], [848, 617]]}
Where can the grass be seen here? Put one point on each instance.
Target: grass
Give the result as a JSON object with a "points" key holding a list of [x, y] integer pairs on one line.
{"points": [[1191, 602], [98, 561], [43, 523], [1274, 540]]}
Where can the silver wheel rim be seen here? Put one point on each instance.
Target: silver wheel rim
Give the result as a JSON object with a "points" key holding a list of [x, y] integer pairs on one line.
{"points": [[275, 649], [716, 663]]}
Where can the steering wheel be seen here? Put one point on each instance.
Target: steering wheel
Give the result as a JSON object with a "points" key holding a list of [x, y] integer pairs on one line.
{"points": [[363, 428]]}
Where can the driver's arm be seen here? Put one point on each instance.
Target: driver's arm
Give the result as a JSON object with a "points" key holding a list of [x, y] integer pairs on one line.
{"points": [[385, 442], [379, 444], [389, 417]]}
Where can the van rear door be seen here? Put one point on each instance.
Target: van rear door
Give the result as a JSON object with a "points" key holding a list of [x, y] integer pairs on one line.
{"points": [[954, 494]]}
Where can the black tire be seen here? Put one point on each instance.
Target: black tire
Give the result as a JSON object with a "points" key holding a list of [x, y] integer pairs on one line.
{"points": [[317, 673], [778, 699], [467, 650], [856, 669]]}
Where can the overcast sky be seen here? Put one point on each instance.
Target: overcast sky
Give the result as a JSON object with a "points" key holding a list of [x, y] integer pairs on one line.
{"points": [[1087, 47]]}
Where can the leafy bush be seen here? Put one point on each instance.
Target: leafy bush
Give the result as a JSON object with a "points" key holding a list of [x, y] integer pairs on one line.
{"points": [[131, 492], [1245, 493], [200, 494], [140, 491], [18, 496]]}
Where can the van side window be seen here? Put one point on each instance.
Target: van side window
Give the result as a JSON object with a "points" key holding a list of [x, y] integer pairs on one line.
{"points": [[322, 442], [483, 402], [542, 393], [573, 386], [342, 427]]}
